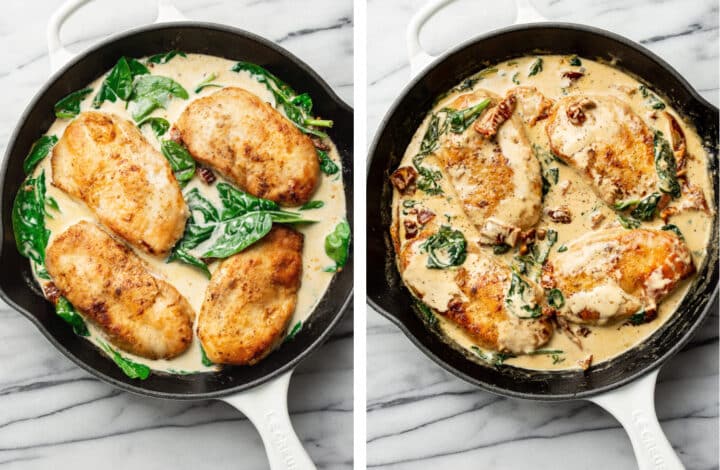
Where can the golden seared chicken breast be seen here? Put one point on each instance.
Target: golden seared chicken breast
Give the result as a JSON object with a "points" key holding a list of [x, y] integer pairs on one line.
{"points": [[493, 170], [607, 143], [251, 298], [497, 308], [106, 162], [252, 145], [612, 274], [110, 285]]}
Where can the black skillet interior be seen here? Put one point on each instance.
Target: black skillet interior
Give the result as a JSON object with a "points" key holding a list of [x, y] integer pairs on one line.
{"points": [[385, 290], [20, 291]]}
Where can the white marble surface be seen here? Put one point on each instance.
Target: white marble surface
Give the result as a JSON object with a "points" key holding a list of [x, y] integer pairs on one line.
{"points": [[419, 416], [54, 415]]}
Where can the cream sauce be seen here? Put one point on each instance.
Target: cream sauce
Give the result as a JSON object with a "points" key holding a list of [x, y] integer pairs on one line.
{"points": [[189, 281], [603, 342]]}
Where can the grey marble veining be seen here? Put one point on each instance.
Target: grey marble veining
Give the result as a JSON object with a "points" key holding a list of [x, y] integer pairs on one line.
{"points": [[420, 416], [53, 414]]}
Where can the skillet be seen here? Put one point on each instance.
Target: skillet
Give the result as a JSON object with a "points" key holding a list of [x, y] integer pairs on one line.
{"points": [[623, 385], [259, 391]]}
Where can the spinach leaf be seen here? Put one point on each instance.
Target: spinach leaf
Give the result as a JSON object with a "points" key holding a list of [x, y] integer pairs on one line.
{"points": [[28, 219], [69, 106], [298, 108], [562, 248], [515, 78], [495, 358], [119, 82], [159, 125], [542, 251], [673, 228], [239, 233], [445, 248], [430, 317], [293, 332], [207, 83], [645, 210], [181, 162], [628, 222], [67, 312], [166, 57], [38, 152], [131, 368], [501, 248], [460, 119], [151, 92], [556, 298], [536, 67], [519, 299], [575, 61], [665, 166], [181, 254], [205, 361], [638, 318], [312, 205], [652, 100], [327, 166], [236, 202], [337, 245]]}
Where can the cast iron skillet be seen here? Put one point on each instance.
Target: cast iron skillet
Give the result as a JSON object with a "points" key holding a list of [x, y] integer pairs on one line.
{"points": [[19, 290], [388, 295]]}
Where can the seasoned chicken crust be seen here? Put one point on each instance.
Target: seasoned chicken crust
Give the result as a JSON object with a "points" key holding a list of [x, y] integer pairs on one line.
{"points": [[252, 145], [105, 161], [612, 274], [251, 298], [110, 285]]}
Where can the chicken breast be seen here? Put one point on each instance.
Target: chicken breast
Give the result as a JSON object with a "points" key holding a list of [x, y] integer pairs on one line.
{"points": [[493, 169], [497, 308], [110, 285], [251, 298], [609, 275], [607, 143], [252, 145], [106, 162]]}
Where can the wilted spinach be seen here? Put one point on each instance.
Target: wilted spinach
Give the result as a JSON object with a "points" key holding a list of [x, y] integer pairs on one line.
{"points": [[298, 108], [556, 298], [38, 152], [665, 166], [674, 229], [67, 312], [536, 67], [445, 248], [158, 125], [28, 219], [519, 301], [207, 83], [430, 317], [337, 245], [645, 209], [652, 100], [119, 82], [294, 331], [312, 205], [460, 119], [69, 106], [575, 61], [204, 359], [164, 58], [131, 368], [628, 222], [327, 166], [181, 162], [151, 92]]}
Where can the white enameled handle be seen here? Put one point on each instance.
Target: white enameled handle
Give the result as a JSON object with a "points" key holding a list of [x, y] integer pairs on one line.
{"points": [[266, 407], [59, 55], [419, 59], [634, 406]]}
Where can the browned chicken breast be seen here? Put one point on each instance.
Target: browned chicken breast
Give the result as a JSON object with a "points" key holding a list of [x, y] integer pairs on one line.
{"points": [[251, 298], [612, 274], [252, 145], [493, 170], [498, 309], [111, 286], [105, 161], [607, 143]]}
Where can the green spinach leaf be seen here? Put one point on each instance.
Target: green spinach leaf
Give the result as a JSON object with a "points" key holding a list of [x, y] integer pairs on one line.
{"points": [[519, 299], [445, 248], [312, 205], [151, 92], [536, 67], [181, 162], [207, 83], [673, 228], [556, 298], [327, 166], [205, 361], [430, 317], [28, 219], [38, 152], [164, 58], [575, 61], [131, 368], [69, 106], [337, 245], [158, 125], [67, 312], [119, 82], [293, 332], [665, 166]]}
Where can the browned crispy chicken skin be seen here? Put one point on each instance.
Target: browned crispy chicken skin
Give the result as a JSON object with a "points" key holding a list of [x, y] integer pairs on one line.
{"points": [[111, 286], [252, 145], [251, 298], [106, 162], [612, 274]]}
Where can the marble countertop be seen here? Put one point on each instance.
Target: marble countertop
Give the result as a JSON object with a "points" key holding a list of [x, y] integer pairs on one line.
{"points": [[420, 416], [53, 414]]}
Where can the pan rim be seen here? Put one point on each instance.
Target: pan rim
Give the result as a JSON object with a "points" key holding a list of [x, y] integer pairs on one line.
{"points": [[134, 387], [381, 130]]}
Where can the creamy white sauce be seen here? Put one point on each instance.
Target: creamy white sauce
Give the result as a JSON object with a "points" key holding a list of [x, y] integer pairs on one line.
{"points": [[603, 342], [189, 281]]}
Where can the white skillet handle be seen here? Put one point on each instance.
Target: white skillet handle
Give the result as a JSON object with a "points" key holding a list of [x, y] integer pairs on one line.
{"points": [[266, 407], [419, 59], [59, 56], [634, 406]]}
